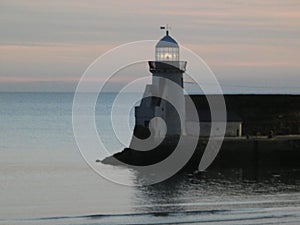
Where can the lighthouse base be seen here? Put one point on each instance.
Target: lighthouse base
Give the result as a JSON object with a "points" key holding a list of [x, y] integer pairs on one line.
{"points": [[252, 153]]}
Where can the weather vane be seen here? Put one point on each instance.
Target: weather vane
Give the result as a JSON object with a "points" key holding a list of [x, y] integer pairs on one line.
{"points": [[167, 28]]}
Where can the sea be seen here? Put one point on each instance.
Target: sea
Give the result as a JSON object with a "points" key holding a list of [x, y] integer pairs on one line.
{"points": [[44, 179]]}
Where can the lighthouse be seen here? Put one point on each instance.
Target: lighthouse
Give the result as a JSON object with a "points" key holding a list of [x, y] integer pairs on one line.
{"points": [[167, 70]]}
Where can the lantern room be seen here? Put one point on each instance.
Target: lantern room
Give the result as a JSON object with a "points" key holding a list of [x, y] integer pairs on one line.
{"points": [[167, 49]]}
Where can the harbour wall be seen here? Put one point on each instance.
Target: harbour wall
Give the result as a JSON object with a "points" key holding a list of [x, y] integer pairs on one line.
{"points": [[255, 150]]}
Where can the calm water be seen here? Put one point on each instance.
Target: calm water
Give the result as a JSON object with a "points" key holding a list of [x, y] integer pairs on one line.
{"points": [[44, 179]]}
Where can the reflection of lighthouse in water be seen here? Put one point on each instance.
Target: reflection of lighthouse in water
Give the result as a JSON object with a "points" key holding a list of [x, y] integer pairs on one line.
{"points": [[164, 69]]}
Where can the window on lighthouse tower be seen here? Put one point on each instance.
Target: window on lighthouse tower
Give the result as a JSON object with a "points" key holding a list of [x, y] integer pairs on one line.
{"points": [[167, 49]]}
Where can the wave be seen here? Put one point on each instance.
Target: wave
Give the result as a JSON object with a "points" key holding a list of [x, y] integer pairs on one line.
{"points": [[259, 215], [95, 216]]}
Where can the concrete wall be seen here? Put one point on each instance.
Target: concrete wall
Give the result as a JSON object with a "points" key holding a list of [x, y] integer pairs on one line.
{"points": [[261, 113], [233, 129]]}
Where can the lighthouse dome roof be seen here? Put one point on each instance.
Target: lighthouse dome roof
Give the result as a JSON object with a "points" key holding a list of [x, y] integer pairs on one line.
{"points": [[167, 41]]}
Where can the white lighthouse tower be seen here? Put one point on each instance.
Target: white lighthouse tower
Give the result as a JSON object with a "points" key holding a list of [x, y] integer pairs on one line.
{"points": [[167, 68]]}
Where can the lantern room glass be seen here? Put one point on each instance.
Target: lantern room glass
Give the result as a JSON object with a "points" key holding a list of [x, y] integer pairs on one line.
{"points": [[167, 54]]}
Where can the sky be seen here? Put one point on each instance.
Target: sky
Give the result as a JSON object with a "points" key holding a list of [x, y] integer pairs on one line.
{"points": [[249, 44]]}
